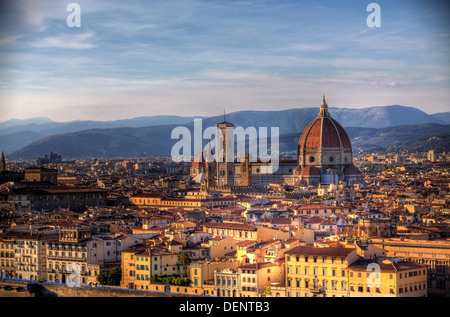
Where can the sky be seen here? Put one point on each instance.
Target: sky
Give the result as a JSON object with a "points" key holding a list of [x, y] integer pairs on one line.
{"points": [[200, 57]]}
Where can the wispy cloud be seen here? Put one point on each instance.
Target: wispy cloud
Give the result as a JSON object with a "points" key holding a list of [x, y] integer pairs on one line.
{"points": [[67, 41], [190, 56], [310, 47]]}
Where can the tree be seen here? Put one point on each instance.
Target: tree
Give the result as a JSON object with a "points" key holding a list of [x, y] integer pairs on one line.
{"points": [[114, 276], [102, 278], [184, 260], [111, 278]]}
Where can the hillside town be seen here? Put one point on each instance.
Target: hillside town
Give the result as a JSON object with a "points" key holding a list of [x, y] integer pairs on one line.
{"points": [[157, 229], [224, 156]]}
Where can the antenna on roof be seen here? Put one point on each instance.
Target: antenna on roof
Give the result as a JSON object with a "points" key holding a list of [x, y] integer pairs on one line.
{"points": [[224, 116]]}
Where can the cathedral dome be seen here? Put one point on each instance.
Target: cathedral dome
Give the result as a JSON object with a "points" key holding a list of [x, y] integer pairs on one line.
{"points": [[324, 132]]}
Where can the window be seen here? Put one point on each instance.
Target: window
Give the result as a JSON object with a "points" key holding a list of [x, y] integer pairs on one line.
{"points": [[333, 285]]}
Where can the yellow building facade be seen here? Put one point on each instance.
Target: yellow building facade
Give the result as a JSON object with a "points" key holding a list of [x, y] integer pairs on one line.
{"points": [[312, 271], [139, 264], [387, 278], [7, 257]]}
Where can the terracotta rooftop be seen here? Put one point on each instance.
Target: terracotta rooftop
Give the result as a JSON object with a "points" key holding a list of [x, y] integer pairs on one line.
{"points": [[227, 225], [394, 265]]}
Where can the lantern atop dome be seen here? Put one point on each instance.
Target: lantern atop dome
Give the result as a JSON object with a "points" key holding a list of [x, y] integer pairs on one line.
{"points": [[324, 108]]}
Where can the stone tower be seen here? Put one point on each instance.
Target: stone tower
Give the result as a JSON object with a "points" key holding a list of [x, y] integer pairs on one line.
{"points": [[246, 171], [225, 153], [210, 168]]}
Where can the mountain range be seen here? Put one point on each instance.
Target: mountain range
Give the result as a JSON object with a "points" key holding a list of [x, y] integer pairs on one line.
{"points": [[369, 129]]}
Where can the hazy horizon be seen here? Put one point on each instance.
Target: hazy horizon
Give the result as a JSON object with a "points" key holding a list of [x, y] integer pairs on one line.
{"points": [[203, 116]]}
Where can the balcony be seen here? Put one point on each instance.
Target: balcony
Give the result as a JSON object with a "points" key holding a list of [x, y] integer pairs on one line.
{"points": [[316, 290]]}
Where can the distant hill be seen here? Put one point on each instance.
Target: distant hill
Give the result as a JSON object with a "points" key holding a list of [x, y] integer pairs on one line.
{"points": [[395, 137], [102, 143], [295, 120], [14, 122], [14, 137], [14, 141], [440, 143], [156, 140], [382, 117], [443, 116]]}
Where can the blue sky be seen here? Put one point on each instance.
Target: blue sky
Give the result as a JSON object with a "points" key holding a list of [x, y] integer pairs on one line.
{"points": [[199, 57]]}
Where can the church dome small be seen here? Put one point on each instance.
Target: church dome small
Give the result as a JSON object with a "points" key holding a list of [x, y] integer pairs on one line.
{"points": [[351, 170], [310, 171], [198, 161]]}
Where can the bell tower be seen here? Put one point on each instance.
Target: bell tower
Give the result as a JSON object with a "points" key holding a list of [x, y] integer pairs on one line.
{"points": [[225, 153]]}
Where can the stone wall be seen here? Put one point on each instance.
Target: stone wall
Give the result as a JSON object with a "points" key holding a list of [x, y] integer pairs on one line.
{"points": [[55, 290]]}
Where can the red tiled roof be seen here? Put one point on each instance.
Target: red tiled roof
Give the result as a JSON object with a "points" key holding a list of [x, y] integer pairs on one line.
{"points": [[324, 132], [226, 225], [393, 266], [310, 171], [351, 170]]}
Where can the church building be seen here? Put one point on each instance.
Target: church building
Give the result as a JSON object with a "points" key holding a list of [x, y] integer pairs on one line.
{"points": [[324, 155]]}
